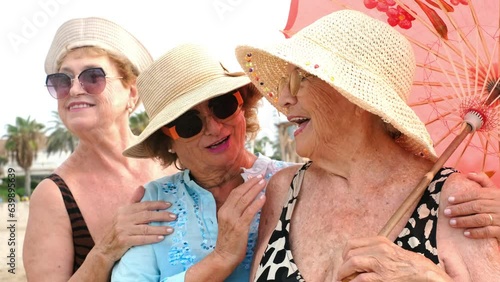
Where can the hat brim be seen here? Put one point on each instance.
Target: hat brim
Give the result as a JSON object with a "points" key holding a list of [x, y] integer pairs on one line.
{"points": [[267, 65], [180, 105]]}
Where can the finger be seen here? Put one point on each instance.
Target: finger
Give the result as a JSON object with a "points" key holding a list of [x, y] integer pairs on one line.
{"points": [[385, 249], [144, 240], [253, 209], [147, 216], [354, 267], [138, 194], [149, 230], [364, 276], [251, 194], [145, 206], [481, 178], [473, 221], [359, 243], [471, 208], [471, 195], [241, 196], [483, 232]]}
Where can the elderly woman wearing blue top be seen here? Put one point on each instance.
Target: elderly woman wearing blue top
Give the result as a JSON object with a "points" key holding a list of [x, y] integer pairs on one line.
{"points": [[201, 115]]}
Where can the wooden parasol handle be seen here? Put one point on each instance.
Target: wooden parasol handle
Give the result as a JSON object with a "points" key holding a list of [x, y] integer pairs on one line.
{"points": [[419, 190]]}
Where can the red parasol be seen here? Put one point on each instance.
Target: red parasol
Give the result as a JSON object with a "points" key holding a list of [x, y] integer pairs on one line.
{"points": [[456, 88], [456, 46]]}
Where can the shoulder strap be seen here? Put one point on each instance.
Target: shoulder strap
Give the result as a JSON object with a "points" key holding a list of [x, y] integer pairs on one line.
{"points": [[82, 241], [420, 232]]}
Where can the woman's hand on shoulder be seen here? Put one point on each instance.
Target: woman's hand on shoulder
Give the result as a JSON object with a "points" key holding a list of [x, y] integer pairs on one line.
{"points": [[130, 226], [478, 210]]}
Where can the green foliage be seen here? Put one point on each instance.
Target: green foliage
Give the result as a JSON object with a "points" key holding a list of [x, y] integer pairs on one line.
{"points": [[60, 138], [3, 160], [23, 140], [138, 122], [19, 185]]}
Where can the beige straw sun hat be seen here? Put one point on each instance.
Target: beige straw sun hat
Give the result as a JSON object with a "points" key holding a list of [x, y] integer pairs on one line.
{"points": [[365, 60], [179, 80], [96, 32]]}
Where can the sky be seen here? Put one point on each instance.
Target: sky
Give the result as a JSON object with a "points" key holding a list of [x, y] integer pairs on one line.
{"points": [[28, 26]]}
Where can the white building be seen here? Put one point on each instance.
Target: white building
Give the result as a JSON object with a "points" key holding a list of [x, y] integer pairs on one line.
{"points": [[42, 165]]}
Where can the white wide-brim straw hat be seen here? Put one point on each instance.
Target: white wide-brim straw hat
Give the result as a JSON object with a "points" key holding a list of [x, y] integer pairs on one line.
{"points": [[364, 59], [182, 78], [96, 32]]}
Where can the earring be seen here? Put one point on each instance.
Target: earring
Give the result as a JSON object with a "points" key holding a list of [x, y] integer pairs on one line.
{"points": [[178, 167], [171, 151]]}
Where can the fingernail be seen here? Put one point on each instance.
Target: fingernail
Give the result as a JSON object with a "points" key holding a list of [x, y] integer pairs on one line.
{"points": [[261, 181], [467, 233], [161, 237], [170, 229], [472, 173], [172, 216], [453, 222], [451, 199], [447, 211], [259, 176]]}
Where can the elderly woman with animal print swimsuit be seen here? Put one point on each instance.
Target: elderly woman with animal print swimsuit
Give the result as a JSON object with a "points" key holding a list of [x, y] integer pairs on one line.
{"points": [[345, 80]]}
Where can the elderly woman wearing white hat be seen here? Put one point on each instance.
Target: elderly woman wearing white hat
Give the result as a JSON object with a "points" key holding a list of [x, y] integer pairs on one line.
{"points": [[200, 118], [344, 80], [81, 217]]}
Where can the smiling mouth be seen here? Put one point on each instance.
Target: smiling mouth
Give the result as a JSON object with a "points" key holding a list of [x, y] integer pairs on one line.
{"points": [[214, 145], [80, 106], [299, 120]]}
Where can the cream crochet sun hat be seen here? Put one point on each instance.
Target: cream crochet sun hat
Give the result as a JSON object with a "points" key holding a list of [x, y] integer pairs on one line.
{"points": [[179, 80], [96, 32], [365, 60]]}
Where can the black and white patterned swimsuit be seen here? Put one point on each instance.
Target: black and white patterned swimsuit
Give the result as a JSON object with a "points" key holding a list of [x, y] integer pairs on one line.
{"points": [[419, 234]]}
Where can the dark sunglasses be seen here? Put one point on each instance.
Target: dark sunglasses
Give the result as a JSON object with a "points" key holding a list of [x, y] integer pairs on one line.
{"points": [[293, 81], [190, 124], [92, 80]]}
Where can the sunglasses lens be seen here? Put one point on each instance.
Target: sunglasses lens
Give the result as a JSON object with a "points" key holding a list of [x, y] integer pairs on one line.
{"points": [[295, 79], [187, 125], [224, 106], [58, 85], [93, 80], [282, 84]]}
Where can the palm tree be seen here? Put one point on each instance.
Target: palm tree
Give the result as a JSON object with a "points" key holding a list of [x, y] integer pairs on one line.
{"points": [[3, 161], [138, 122], [60, 139], [23, 140]]}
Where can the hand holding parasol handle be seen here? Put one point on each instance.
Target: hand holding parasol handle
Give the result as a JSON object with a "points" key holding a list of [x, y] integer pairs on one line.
{"points": [[473, 121]]}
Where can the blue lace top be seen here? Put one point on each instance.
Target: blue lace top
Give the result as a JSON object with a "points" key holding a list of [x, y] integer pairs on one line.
{"points": [[195, 230]]}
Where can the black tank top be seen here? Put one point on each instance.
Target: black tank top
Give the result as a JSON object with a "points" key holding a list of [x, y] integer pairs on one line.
{"points": [[82, 241]]}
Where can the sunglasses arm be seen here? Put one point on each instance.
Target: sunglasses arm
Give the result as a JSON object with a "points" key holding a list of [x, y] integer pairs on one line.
{"points": [[170, 132]]}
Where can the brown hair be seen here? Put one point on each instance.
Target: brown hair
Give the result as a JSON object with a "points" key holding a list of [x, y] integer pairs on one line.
{"points": [[158, 144]]}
